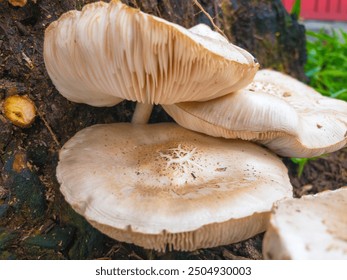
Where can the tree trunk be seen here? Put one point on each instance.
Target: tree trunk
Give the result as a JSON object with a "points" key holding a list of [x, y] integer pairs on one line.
{"points": [[35, 221]]}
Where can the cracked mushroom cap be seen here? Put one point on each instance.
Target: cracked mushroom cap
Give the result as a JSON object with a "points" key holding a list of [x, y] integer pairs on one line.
{"points": [[276, 110], [109, 52], [162, 186], [312, 227]]}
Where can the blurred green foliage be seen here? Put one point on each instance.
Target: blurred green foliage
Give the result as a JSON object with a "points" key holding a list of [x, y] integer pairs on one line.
{"points": [[326, 64]]}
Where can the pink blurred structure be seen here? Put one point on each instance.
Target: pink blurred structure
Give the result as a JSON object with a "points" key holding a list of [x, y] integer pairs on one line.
{"points": [[335, 10]]}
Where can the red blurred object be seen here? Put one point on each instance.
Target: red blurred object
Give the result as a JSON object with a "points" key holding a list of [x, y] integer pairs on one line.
{"points": [[321, 9]]}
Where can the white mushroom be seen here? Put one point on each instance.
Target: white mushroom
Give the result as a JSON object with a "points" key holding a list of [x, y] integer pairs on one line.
{"points": [[276, 110], [109, 52], [162, 186], [312, 227]]}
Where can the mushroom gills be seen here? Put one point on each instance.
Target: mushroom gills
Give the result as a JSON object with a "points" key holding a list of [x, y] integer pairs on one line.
{"points": [[109, 52]]}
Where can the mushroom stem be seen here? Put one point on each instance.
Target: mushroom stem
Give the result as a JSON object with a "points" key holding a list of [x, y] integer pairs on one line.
{"points": [[142, 113]]}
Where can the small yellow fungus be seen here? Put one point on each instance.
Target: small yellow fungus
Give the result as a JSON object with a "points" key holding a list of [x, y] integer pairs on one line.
{"points": [[20, 110], [18, 3]]}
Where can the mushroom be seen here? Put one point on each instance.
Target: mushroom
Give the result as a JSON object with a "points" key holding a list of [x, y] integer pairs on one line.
{"points": [[276, 110], [109, 52], [162, 186], [312, 227]]}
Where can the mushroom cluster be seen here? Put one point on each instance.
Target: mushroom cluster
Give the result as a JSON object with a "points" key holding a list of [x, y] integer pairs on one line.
{"points": [[196, 184]]}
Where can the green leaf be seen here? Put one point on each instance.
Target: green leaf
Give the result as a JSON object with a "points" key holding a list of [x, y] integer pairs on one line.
{"points": [[296, 8], [341, 94], [326, 64], [334, 73], [301, 162]]}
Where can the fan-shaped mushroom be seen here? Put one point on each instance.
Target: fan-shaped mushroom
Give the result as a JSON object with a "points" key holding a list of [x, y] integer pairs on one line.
{"points": [[312, 227], [276, 110], [110, 52], [164, 186]]}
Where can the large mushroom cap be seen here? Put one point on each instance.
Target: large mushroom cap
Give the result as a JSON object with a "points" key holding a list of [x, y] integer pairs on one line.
{"points": [[312, 227], [109, 52], [276, 110], [162, 185]]}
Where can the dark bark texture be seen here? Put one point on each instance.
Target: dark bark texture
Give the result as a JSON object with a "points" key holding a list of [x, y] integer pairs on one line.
{"points": [[35, 221]]}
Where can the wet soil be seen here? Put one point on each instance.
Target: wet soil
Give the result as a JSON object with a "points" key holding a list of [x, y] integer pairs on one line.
{"points": [[35, 221]]}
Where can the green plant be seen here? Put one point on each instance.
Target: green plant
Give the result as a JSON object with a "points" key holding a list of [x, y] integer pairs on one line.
{"points": [[326, 64], [296, 8], [301, 162]]}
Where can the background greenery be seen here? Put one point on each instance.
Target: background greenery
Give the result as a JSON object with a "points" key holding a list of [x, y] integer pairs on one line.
{"points": [[326, 64]]}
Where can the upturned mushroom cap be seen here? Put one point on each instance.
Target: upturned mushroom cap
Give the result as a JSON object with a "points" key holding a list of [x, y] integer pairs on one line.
{"points": [[109, 52], [162, 186], [276, 110], [312, 227]]}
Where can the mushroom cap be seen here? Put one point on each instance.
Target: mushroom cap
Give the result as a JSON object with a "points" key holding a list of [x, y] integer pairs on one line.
{"points": [[162, 185], [108, 52], [312, 227], [276, 110]]}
